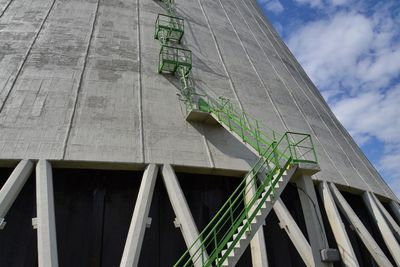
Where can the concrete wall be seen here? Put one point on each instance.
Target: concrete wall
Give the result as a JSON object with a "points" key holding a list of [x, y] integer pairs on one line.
{"points": [[78, 82]]}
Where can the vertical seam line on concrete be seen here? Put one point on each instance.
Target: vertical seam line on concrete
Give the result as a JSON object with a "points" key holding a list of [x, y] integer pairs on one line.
{"points": [[5, 8], [203, 137], [82, 74], [232, 85], [312, 104], [139, 77], [26, 57], [282, 80], [294, 100], [324, 106], [308, 99], [260, 79], [210, 157]]}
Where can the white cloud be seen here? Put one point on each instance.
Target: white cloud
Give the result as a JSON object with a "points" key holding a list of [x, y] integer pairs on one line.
{"points": [[355, 61], [311, 3], [376, 114], [372, 114], [339, 2], [389, 167], [323, 4], [274, 6], [349, 51]]}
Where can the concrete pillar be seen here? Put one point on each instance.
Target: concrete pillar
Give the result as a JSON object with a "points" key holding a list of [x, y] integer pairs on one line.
{"points": [[339, 231], [182, 212], [312, 217], [360, 229], [258, 248], [384, 228], [392, 223], [259, 256], [395, 209], [287, 223], [46, 225], [133, 244], [10, 190]]}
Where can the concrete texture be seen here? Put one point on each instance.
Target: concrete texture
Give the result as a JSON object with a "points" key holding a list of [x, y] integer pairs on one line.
{"points": [[133, 245], [184, 217], [10, 190], [387, 234], [313, 218], [392, 223], [290, 226], [78, 82], [367, 239], [259, 256], [345, 248], [46, 223]]}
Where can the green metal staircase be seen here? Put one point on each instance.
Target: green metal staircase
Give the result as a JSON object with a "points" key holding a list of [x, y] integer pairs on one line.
{"points": [[225, 238], [257, 136]]}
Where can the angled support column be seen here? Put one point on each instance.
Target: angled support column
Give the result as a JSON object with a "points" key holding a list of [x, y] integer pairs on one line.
{"points": [[287, 223], [361, 231], [182, 211], [258, 248], [384, 228], [392, 223], [133, 244], [313, 218], [339, 231], [259, 256], [10, 190], [46, 225], [396, 210]]}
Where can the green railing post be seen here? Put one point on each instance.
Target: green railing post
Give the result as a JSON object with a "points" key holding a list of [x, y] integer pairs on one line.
{"points": [[215, 244], [255, 180], [202, 255], [313, 149], [230, 211], [237, 210], [274, 153], [241, 129], [257, 135], [229, 119], [286, 136]]}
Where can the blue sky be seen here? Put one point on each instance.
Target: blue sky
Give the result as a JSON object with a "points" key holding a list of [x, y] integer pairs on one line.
{"points": [[351, 51]]}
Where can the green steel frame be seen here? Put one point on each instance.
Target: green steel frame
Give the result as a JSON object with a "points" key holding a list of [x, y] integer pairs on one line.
{"points": [[169, 29], [172, 59], [256, 134], [170, 5], [277, 152], [235, 216]]}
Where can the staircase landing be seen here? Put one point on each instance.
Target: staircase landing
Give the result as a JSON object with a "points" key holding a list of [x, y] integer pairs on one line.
{"points": [[196, 115]]}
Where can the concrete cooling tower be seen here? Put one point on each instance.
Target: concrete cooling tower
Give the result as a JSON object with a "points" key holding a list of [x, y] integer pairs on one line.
{"points": [[175, 133]]}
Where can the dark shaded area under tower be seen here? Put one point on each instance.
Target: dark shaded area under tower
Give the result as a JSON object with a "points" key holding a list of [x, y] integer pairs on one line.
{"points": [[205, 194], [18, 245], [93, 212], [94, 207], [280, 250], [363, 256]]}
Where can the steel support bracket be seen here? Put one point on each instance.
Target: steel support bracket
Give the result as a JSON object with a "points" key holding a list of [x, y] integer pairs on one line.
{"points": [[34, 223], [177, 223], [2, 223], [148, 223]]}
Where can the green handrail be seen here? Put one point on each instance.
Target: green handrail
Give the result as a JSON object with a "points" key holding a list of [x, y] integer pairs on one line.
{"points": [[235, 206], [276, 156], [253, 132]]}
